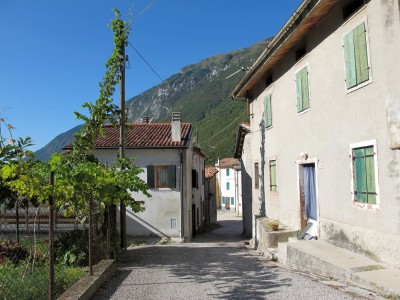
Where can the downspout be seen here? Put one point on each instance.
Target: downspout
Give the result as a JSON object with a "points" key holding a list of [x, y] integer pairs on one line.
{"points": [[182, 206]]}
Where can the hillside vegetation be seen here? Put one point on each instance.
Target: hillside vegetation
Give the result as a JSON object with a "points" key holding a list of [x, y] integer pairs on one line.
{"points": [[201, 92]]}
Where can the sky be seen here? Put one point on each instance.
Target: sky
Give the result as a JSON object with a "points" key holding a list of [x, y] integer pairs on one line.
{"points": [[53, 52]]}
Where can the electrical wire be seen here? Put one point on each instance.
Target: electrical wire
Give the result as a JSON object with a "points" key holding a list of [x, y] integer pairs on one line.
{"points": [[225, 127], [141, 56], [143, 10]]}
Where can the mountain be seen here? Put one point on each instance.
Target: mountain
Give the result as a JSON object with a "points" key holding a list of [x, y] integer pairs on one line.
{"points": [[201, 92]]}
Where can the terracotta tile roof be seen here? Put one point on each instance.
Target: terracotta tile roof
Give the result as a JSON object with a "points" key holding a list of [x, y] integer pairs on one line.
{"points": [[210, 172], [226, 163], [143, 135]]}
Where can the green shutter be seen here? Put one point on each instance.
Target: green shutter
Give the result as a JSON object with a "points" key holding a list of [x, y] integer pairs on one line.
{"points": [[172, 176], [303, 91], [150, 176], [361, 55], [370, 174], [267, 111], [360, 174], [272, 175], [349, 58], [299, 92], [305, 88]]}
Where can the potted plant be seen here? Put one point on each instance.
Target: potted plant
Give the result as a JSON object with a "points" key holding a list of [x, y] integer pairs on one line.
{"points": [[274, 225]]}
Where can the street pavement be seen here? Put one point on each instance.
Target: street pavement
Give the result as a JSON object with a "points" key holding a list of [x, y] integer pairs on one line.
{"points": [[215, 265]]}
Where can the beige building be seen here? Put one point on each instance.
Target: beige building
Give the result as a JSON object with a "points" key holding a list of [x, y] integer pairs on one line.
{"points": [[324, 101]]}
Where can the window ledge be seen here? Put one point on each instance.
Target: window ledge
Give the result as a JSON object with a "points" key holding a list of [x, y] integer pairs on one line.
{"points": [[304, 111], [366, 206], [357, 87]]}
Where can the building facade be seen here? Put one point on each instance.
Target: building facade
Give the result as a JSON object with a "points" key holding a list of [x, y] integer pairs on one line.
{"points": [[325, 126]]}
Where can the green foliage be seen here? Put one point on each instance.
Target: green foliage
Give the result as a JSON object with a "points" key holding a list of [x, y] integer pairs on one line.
{"points": [[31, 282]]}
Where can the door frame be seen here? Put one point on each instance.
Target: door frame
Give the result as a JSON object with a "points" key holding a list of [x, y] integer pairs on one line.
{"points": [[300, 194]]}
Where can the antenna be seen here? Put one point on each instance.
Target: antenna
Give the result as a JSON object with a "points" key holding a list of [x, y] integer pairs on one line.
{"points": [[241, 69]]}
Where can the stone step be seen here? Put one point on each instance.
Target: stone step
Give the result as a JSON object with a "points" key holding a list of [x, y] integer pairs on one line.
{"points": [[293, 240]]}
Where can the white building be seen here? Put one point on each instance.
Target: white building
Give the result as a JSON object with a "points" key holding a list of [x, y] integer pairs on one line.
{"points": [[169, 161], [324, 101], [229, 185]]}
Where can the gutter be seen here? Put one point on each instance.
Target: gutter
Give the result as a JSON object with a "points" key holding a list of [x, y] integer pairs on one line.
{"points": [[272, 47]]}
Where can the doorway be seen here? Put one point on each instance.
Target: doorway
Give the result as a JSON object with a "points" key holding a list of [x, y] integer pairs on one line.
{"points": [[308, 198]]}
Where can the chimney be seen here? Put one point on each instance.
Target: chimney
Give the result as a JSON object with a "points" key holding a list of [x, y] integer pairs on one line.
{"points": [[176, 126], [145, 120]]}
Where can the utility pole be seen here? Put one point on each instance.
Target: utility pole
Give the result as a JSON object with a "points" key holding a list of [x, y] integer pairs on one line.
{"points": [[122, 120]]}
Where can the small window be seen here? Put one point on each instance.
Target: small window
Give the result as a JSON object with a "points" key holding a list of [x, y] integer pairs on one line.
{"points": [[256, 176], [162, 176], [272, 176], [300, 52], [223, 200], [232, 201], [195, 180], [227, 172], [351, 8], [228, 186], [268, 80], [364, 171], [303, 89], [267, 111]]}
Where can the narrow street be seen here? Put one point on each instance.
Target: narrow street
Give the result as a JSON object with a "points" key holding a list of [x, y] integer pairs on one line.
{"points": [[214, 265]]}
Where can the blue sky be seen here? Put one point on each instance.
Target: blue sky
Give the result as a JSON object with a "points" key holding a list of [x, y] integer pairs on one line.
{"points": [[53, 52]]}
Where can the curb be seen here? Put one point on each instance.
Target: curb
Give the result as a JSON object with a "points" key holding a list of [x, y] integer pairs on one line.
{"points": [[86, 287]]}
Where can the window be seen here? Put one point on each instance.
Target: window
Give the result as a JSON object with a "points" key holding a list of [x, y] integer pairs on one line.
{"points": [[303, 90], [365, 190], [161, 176], [228, 186], [300, 51], [227, 172], [267, 111], [195, 180], [351, 8], [356, 56], [256, 176], [232, 201], [272, 176], [223, 200]]}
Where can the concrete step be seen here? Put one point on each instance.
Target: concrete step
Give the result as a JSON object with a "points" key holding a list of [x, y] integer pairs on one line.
{"points": [[293, 239], [325, 259]]}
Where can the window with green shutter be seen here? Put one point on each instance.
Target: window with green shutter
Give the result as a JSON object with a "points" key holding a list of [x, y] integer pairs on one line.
{"points": [[356, 56], [303, 89], [272, 176], [267, 111], [364, 175], [161, 176]]}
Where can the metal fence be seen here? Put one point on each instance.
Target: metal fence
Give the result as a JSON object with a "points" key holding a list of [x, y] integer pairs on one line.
{"points": [[43, 252]]}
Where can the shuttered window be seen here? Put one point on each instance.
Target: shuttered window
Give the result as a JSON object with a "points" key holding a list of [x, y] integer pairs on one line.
{"points": [[272, 176], [356, 56], [161, 176], [303, 90], [364, 175], [256, 176], [267, 111]]}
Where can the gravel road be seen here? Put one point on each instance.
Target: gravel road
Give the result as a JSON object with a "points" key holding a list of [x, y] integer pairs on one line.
{"points": [[214, 265]]}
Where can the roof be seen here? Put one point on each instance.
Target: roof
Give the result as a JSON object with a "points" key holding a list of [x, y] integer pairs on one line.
{"points": [[309, 13], [143, 136], [228, 163], [210, 172], [244, 129]]}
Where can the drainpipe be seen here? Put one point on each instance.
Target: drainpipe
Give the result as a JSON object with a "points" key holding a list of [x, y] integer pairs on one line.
{"points": [[182, 206]]}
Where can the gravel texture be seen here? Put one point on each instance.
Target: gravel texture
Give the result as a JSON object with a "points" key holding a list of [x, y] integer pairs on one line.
{"points": [[214, 265]]}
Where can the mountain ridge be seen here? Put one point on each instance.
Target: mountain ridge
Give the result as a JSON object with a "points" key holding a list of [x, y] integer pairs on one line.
{"points": [[201, 92]]}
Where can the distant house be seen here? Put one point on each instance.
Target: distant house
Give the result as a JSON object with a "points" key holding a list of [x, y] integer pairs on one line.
{"points": [[324, 139], [210, 191], [229, 185], [243, 153], [173, 169]]}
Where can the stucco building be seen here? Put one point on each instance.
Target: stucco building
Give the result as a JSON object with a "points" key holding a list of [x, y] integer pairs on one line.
{"points": [[324, 146], [173, 169]]}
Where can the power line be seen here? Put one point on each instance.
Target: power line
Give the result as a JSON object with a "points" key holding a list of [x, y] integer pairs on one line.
{"points": [[225, 127], [143, 10], [141, 56]]}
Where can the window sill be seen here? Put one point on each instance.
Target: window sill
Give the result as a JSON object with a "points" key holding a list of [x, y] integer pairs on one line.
{"points": [[357, 87], [303, 111], [365, 206]]}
